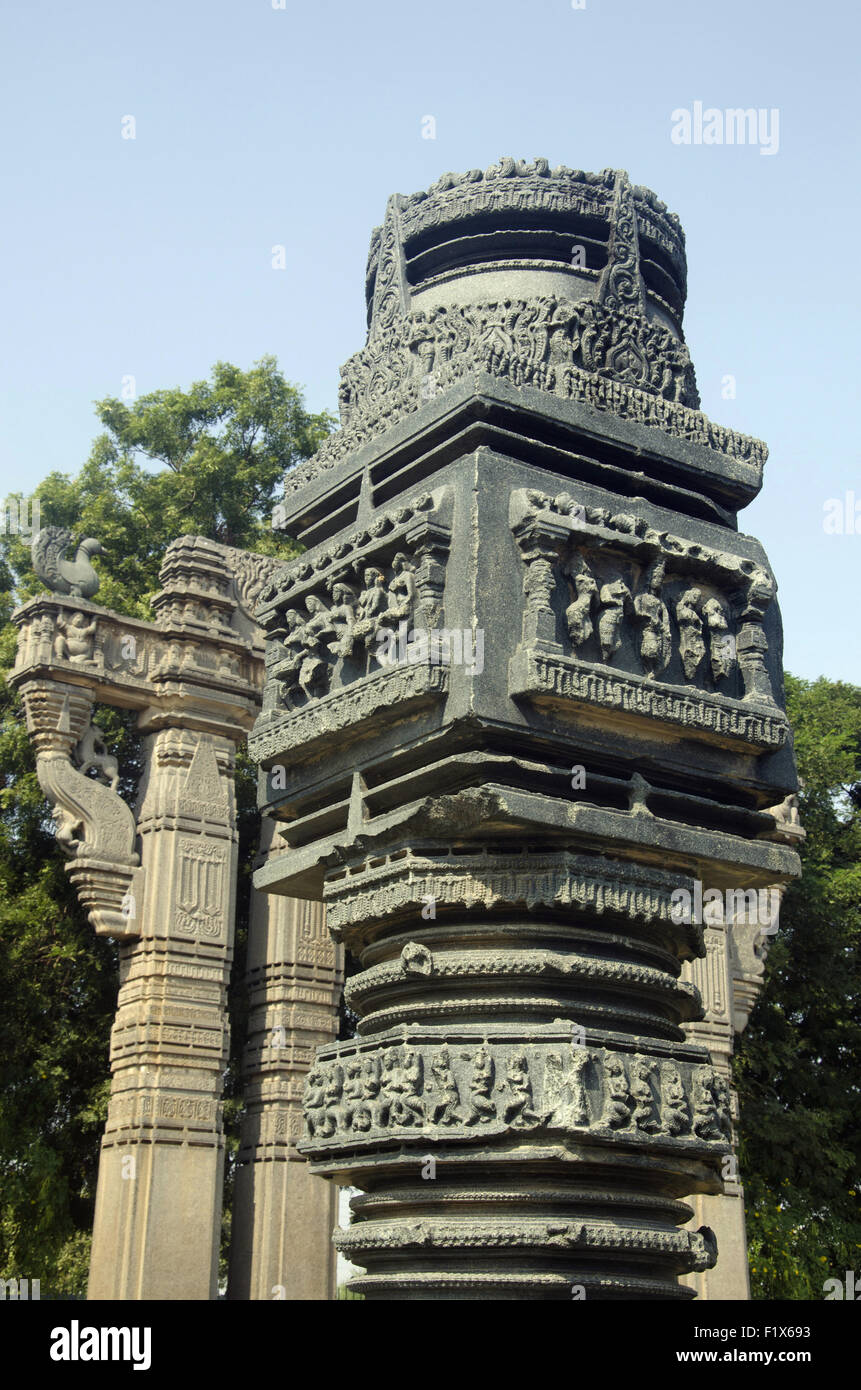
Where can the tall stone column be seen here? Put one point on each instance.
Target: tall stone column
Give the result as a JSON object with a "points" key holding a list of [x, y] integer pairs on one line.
{"points": [[162, 883], [729, 979], [512, 728], [161, 1169], [283, 1216]]}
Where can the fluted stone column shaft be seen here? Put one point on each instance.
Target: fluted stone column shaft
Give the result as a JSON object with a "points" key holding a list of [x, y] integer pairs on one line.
{"points": [[283, 1216], [163, 1142]]}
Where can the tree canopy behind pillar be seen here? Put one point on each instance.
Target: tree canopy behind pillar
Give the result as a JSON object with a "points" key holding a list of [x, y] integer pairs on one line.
{"points": [[205, 461], [798, 1065]]}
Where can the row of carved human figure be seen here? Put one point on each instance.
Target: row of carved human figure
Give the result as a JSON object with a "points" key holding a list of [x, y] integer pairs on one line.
{"points": [[392, 1091], [346, 627], [537, 342], [607, 607]]}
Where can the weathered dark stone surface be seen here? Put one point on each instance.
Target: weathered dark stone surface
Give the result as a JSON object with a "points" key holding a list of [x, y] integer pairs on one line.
{"points": [[498, 824]]}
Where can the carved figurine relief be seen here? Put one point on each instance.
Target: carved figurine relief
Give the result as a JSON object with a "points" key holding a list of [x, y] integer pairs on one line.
{"points": [[517, 1109], [654, 607], [656, 645], [75, 638], [615, 601], [444, 1110], [350, 624], [692, 648], [423, 1089], [481, 1107], [579, 614], [630, 614]]}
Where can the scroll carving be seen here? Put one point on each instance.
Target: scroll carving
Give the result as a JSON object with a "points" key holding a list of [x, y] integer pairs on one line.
{"points": [[95, 827]]}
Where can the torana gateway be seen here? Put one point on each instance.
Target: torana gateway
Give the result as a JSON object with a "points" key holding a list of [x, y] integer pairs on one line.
{"points": [[522, 735]]}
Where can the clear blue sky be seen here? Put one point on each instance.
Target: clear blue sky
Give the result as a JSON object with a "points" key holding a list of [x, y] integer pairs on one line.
{"points": [[258, 126]]}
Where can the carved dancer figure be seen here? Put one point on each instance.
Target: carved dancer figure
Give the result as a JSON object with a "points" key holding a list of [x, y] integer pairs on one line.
{"points": [[333, 1089], [390, 1083], [518, 1111], [404, 1086], [617, 1105], [400, 1087], [481, 1107], [656, 644], [444, 1111], [521, 367], [75, 639], [422, 341], [352, 1094], [563, 324], [674, 1101], [721, 645], [692, 648], [413, 1085], [285, 659], [578, 615], [495, 347], [314, 1101], [372, 1112], [615, 600], [707, 1122], [645, 1109]]}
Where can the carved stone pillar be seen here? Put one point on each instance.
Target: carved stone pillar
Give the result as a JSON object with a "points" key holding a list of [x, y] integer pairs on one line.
{"points": [[723, 1212], [506, 835], [283, 1216], [163, 884], [161, 1168], [729, 980]]}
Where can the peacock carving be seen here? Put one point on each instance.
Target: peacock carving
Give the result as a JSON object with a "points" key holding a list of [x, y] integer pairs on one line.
{"points": [[76, 577]]}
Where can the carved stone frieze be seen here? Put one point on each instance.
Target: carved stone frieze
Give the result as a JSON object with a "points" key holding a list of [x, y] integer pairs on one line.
{"points": [[357, 629], [363, 1094], [662, 611], [483, 881]]}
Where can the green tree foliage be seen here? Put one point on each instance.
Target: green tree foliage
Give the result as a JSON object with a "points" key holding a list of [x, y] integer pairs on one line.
{"points": [[207, 461], [797, 1065]]}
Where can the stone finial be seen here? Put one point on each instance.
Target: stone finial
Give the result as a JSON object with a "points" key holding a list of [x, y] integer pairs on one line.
{"points": [[76, 577]]}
